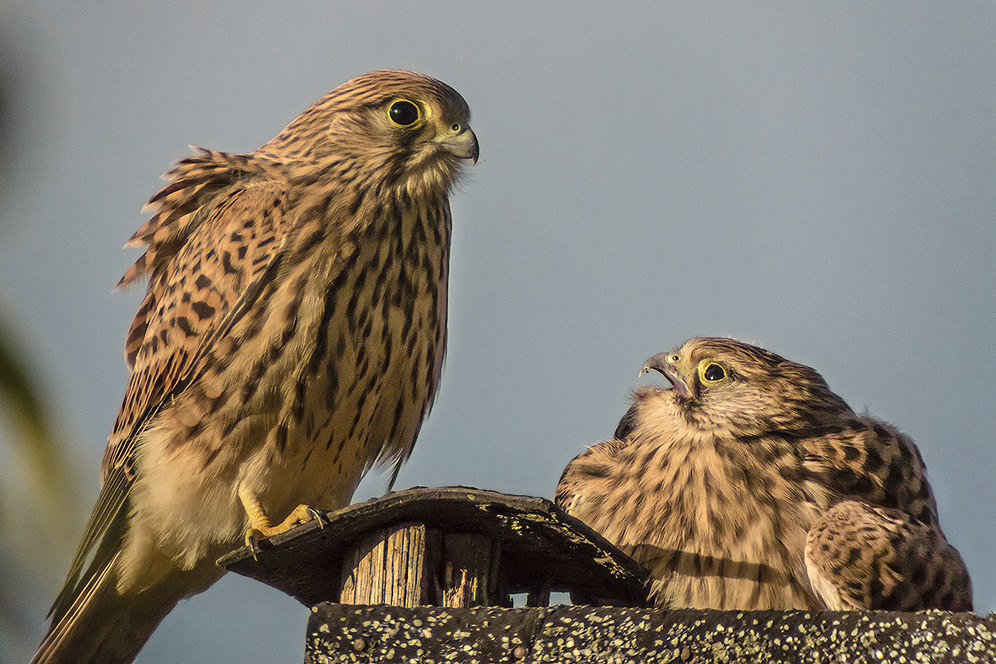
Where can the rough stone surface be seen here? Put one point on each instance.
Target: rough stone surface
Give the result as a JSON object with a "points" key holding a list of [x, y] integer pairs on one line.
{"points": [[344, 633]]}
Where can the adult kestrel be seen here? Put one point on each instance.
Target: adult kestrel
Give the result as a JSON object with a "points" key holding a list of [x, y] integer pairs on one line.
{"points": [[292, 336], [748, 484]]}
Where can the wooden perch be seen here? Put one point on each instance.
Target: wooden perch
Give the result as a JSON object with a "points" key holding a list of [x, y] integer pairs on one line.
{"points": [[454, 546]]}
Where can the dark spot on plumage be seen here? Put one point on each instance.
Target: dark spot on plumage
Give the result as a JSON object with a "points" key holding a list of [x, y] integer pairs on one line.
{"points": [[765, 454], [288, 333], [881, 431], [290, 314], [893, 484], [253, 328], [357, 415], [185, 326], [203, 310], [297, 409], [853, 556], [406, 335], [211, 457], [313, 240], [218, 401], [322, 336], [851, 453], [203, 282], [280, 438], [362, 362], [399, 410], [354, 300], [863, 486], [396, 171], [361, 323], [332, 389], [256, 374], [419, 240], [273, 354], [405, 198], [873, 461], [794, 474], [359, 194], [429, 378]]}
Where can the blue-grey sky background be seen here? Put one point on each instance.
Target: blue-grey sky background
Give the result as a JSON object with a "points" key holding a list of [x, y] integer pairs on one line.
{"points": [[817, 179]]}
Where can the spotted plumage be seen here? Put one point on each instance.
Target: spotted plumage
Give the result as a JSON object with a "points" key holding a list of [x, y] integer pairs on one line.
{"points": [[748, 484], [292, 335]]}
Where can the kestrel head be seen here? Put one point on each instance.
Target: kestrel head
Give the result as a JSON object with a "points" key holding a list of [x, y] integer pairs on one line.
{"points": [[742, 390], [384, 128]]}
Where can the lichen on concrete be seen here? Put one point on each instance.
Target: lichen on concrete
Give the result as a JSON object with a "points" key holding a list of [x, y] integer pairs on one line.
{"points": [[341, 633]]}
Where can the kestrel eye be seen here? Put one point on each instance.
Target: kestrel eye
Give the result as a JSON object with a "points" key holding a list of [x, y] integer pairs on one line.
{"points": [[714, 372], [404, 113]]}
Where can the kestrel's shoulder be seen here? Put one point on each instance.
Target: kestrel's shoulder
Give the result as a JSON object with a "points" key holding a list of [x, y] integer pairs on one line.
{"points": [[598, 463]]}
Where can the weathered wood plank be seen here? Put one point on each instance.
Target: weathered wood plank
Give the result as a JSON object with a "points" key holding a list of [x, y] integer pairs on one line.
{"points": [[390, 566], [541, 548], [340, 633]]}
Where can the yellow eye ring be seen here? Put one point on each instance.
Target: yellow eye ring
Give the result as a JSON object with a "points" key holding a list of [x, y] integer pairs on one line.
{"points": [[404, 113], [711, 372]]}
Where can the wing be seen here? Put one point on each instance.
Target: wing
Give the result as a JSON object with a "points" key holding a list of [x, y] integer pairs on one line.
{"points": [[214, 242], [627, 424], [588, 477], [865, 557], [585, 471]]}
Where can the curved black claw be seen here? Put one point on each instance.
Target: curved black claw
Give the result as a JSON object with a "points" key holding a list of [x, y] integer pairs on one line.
{"points": [[317, 516]]}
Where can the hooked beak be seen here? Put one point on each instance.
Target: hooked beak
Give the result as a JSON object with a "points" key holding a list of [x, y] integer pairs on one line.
{"points": [[462, 144], [661, 363]]}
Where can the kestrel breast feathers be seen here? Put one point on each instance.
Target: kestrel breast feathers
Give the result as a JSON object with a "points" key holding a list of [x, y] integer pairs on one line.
{"points": [[292, 335], [748, 484]]}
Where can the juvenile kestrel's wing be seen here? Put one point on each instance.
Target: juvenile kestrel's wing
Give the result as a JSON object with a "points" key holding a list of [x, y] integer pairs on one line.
{"points": [[212, 243], [866, 557]]}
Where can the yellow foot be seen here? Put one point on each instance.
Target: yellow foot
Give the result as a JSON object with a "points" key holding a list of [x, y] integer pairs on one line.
{"points": [[301, 514], [259, 523]]}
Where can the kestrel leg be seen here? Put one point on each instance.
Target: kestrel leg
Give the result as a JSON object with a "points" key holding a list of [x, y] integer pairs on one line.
{"points": [[259, 522], [865, 557]]}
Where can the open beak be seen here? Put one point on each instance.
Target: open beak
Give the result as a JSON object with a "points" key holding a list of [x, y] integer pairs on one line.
{"points": [[661, 363]]}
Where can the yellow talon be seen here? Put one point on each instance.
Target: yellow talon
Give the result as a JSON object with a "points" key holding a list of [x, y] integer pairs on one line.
{"points": [[259, 523]]}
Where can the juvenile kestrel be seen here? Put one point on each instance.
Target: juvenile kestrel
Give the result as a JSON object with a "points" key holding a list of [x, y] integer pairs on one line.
{"points": [[748, 484], [292, 336]]}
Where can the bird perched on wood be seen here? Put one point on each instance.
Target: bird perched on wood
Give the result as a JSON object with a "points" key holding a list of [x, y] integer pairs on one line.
{"points": [[292, 336], [748, 484]]}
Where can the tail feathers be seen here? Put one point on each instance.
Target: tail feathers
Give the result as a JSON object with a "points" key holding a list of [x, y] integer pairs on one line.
{"points": [[102, 625]]}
